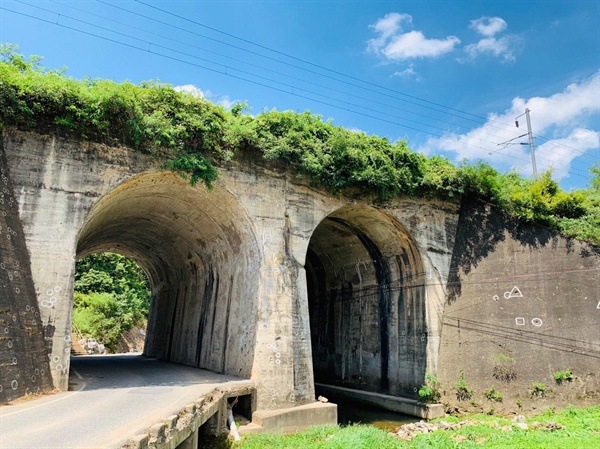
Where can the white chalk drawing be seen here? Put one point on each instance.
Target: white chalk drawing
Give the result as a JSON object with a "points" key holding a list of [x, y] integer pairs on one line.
{"points": [[14, 360], [598, 306], [55, 359], [14, 384], [59, 367], [514, 293], [67, 338], [37, 371], [496, 297], [520, 321], [9, 344], [415, 389], [0, 388], [33, 378], [537, 322]]}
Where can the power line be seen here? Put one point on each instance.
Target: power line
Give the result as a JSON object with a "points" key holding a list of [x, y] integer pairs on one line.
{"points": [[226, 73], [485, 119], [257, 66], [148, 50], [309, 70]]}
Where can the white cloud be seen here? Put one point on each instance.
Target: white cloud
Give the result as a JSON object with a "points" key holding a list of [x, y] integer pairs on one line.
{"points": [[407, 73], [559, 153], [565, 117], [393, 44], [190, 89], [503, 47], [195, 91], [488, 26]]}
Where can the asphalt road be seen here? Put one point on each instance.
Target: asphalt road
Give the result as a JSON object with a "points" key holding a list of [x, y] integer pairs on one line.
{"points": [[117, 396]]}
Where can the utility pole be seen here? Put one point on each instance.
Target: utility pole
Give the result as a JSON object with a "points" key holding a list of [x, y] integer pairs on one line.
{"points": [[531, 146]]}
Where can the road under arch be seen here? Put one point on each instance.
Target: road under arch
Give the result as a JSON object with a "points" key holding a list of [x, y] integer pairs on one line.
{"points": [[200, 254]]}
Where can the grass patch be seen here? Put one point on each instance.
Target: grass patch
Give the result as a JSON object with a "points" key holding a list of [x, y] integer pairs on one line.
{"points": [[581, 430]]}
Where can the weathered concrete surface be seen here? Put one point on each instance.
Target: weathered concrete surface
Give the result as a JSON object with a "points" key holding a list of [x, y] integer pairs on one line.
{"points": [[529, 294], [23, 357], [259, 274], [403, 405], [295, 419]]}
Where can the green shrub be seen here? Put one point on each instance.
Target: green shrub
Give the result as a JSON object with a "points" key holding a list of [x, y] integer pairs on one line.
{"points": [[430, 392], [563, 376], [463, 391], [492, 395], [538, 390]]}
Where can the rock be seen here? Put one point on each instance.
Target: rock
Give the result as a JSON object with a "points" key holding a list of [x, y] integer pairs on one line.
{"points": [[322, 399], [519, 419], [506, 428], [522, 426]]}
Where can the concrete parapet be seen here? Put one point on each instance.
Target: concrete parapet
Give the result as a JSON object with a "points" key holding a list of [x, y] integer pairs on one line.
{"points": [[393, 403], [293, 419], [181, 430]]}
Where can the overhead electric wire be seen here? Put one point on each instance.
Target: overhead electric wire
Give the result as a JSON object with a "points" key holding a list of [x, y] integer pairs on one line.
{"points": [[309, 70], [259, 67], [252, 75], [226, 73], [485, 119]]}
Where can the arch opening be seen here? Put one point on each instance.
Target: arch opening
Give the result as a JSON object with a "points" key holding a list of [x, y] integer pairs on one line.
{"points": [[200, 254], [366, 297]]}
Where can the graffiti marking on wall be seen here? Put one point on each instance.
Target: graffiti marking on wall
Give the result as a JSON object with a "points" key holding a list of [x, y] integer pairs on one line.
{"points": [[514, 293]]}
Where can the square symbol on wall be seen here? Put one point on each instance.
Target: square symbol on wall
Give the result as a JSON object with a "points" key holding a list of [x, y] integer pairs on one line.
{"points": [[520, 321]]}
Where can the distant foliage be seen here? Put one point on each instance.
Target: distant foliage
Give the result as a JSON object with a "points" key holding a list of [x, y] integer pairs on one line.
{"points": [[189, 135], [111, 295], [492, 395]]}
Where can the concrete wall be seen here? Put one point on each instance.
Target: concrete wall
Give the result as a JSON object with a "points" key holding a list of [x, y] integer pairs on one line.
{"points": [[23, 358], [529, 294]]}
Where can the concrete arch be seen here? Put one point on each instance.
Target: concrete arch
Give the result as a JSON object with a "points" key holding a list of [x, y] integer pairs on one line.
{"points": [[200, 252], [367, 305]]}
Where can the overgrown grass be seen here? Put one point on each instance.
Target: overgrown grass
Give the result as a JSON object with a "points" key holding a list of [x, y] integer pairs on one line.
{"points": [[190, 135], [581, 430]]}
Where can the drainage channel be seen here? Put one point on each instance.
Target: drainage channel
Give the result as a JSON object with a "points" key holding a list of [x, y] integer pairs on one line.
{"points": [[354, 412]]}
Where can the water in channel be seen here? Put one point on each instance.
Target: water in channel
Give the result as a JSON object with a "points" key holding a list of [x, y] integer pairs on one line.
{"points": [[353, 412]]}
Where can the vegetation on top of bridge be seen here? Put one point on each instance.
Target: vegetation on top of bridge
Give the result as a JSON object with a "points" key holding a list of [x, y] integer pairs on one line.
{"points": [[190, 135]]}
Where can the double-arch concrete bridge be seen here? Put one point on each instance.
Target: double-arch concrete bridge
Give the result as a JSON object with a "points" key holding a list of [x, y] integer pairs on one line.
{"points": [[267, 278]]}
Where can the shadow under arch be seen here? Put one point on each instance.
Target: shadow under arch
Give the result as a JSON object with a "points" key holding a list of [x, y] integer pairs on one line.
{"points": [[200, 253], [366, 296]]}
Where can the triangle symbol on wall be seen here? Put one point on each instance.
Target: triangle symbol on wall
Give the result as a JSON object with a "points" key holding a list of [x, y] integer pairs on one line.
{"points": [[516, 293], [598, 306]]}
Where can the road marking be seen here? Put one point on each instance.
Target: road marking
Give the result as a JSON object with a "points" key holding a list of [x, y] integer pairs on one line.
{"points": [[83, 385]]}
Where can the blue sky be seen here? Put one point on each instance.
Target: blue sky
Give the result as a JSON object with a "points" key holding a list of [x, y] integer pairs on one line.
{"points": [[449, 76]]}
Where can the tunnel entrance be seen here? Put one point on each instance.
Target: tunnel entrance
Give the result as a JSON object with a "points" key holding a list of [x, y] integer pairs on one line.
{"points": [[366, 298], [200, 254]]}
